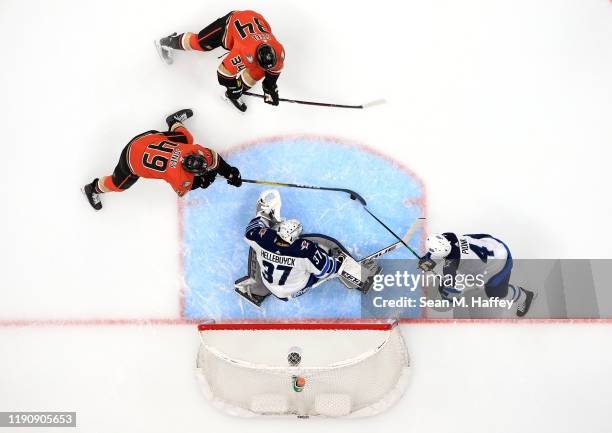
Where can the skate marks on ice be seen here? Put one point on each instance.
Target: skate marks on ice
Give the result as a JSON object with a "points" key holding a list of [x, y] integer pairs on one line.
{"points": [[214, 253]]}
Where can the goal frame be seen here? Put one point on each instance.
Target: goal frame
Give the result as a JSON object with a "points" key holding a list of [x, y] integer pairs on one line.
{"points": [[296, 326], [387, 327]]}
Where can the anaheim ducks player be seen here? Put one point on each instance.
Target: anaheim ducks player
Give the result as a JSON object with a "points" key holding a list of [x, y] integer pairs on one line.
{"points": [[286, 264], [171, 156], [478, 255], [254, 53]]}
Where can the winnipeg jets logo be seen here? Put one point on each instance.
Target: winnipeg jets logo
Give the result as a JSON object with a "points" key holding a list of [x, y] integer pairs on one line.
{"points": [[304, 245]]}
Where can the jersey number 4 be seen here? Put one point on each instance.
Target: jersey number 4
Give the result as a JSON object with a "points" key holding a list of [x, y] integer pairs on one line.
{"points": [[482, 252], [158, 162], [243, 28], [268, 272]]}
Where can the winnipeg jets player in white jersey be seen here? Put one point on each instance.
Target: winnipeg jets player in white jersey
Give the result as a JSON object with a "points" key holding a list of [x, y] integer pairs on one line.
{"points": [[288, 264], [482, 255]]}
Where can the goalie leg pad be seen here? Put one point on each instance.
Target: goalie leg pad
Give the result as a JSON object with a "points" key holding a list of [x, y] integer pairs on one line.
{"points": [[251, 290]]}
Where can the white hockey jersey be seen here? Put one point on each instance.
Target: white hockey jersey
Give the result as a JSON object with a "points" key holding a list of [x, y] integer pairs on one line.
{"points": [[477, 254], [287, 271]]}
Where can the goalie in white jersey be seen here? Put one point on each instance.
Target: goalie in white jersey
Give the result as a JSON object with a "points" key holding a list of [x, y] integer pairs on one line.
{"points": [[477, 255], [285, 264]]}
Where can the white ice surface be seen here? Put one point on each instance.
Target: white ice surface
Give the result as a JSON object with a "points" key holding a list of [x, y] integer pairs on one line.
{"points": [[502, 108]]}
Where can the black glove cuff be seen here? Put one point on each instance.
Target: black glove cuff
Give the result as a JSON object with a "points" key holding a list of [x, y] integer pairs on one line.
{"points": [[198, 182], [224, 169], [269, 82]]}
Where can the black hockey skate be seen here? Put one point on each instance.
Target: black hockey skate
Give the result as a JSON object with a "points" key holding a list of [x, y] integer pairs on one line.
{"points": [[92, 196], [523, 307], [180, 116], [236, 102], [165, 46]]}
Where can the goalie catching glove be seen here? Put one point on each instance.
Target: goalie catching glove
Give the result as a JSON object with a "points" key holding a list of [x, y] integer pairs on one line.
{"points": [[269, 206]]}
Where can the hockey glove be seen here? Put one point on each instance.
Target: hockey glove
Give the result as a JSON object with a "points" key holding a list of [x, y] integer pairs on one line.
{"points": [[203, 181], [337, 254], [270, 94], [426, 264], [234, 177], [210, 176]]}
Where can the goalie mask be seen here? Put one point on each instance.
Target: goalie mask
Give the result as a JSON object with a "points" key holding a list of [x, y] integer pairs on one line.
{"points": [[438, 246], [266, 56], [195, 163], [289, 230]]}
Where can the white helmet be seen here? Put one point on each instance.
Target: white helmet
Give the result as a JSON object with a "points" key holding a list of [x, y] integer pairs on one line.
{"points": [[289, 230], [438, 246]]}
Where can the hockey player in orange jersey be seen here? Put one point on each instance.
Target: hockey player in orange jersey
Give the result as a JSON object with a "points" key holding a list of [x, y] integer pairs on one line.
{"points": [[171, 156], [254, 53]]}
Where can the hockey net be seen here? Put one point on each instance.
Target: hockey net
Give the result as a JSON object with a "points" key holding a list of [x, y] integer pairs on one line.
{"points": [[305, 369]]}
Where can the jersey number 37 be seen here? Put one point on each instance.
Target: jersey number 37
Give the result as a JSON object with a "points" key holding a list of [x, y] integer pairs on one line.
{"points": [[267, 272]]}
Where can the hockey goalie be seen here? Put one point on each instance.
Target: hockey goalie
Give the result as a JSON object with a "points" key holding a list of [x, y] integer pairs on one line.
{"points": [[286, 264]]}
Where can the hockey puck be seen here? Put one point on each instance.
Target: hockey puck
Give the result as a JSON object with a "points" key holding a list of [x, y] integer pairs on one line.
{"points": [[294, 359], [294, 356]]}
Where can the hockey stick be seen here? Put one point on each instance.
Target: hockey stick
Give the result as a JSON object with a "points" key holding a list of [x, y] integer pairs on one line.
{"points": [[396, 245], [321, 104], [353, 196]]}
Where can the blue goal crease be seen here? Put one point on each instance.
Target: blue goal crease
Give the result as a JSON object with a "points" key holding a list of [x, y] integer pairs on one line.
{"points": [[214, 220]]}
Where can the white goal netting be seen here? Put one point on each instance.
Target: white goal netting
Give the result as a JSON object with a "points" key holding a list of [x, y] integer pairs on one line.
{"points": [[302, 369]]}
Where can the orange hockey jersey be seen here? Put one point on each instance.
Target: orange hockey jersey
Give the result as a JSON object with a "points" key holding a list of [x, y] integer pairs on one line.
{"points": [[158, 155], [246, 30]]}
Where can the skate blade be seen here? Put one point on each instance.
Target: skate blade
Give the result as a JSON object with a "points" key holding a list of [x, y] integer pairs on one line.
{"points": [[228, 102], [167, 57]]}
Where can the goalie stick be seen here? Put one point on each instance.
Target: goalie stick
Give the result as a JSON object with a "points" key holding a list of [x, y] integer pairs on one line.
{"points": [[321, 104]]}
